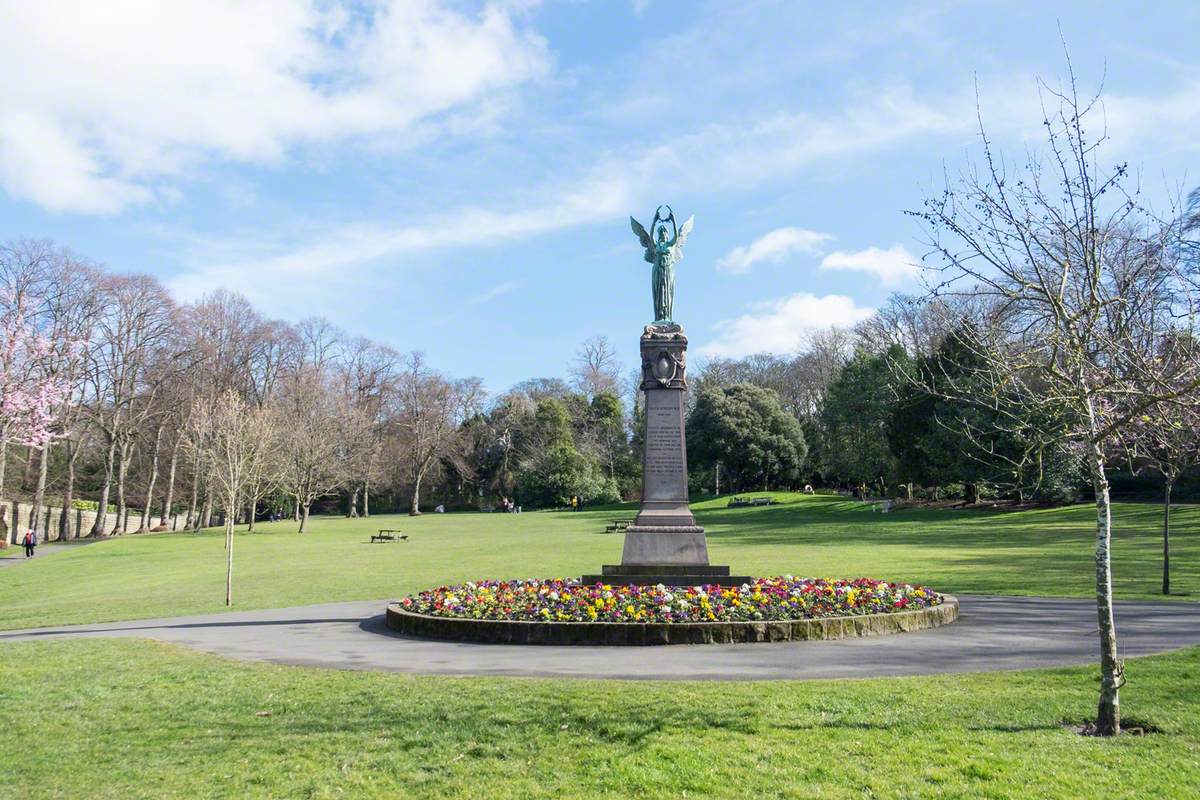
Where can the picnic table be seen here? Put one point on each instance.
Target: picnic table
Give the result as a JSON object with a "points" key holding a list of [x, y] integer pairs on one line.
{"points": [[618, 525], [388, 535], [738, 502]]}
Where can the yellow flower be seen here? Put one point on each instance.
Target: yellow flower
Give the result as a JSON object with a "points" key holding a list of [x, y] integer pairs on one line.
{"points": [[629, 609]]}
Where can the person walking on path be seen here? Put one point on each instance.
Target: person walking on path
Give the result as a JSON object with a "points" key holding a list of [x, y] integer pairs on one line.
{"points": [[30, 542]]}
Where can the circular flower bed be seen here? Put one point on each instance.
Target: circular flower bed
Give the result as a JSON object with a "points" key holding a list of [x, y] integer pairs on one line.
{"points": [[766, 599]]}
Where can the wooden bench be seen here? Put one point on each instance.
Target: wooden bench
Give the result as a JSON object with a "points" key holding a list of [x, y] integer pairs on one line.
{"points": [[388, 535], [618, 525]]}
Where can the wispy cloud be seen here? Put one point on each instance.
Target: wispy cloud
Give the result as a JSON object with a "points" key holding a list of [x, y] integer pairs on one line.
{"points": [[892, 266], [499, 290], [259, 276], [773, 248], [733, 156], [781, 326], [710, 159]]}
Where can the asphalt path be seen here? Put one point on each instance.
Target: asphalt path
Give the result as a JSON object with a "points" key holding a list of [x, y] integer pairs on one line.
{"points": [[41, 551], [992, 633]]}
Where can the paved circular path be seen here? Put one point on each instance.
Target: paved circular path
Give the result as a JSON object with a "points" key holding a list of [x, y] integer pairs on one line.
{"points": [[993, 633]]}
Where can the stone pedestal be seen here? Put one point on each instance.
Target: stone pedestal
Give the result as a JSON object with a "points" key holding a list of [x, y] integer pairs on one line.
{"points": [[664, 545]]}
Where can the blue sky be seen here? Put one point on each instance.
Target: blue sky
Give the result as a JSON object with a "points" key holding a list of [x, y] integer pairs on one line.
{"points": [[457, 177]]}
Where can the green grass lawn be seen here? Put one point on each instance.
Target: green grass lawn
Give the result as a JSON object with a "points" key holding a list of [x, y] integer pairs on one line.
{"points": [[1031, 552], [126, 718], [130, 719]]}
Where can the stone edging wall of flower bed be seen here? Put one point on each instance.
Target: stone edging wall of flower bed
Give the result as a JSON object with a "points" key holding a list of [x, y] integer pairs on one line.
{"points": [[635, 633]]}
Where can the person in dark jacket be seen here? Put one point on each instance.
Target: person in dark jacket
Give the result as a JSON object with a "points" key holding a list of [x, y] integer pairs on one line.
{"points": [[30, 543]]}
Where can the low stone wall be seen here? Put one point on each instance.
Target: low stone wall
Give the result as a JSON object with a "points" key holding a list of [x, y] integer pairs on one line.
{"points": [[632, 633], [19, 515]]}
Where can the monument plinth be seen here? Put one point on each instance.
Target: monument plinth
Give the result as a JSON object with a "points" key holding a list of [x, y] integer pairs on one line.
{"points": [[665, 532], [664, 544]]}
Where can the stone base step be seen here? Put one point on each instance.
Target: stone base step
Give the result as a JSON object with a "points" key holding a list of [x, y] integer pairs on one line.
{"points": [[666, 574], [664, 569]]}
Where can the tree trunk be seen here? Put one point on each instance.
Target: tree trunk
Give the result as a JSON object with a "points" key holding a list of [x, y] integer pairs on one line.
{"points": [[352, 511], [3, 464], [169, 498], [366, 499], [148, 506], [251, 510], [415, 509], [1166, 581], [1108, 715], [39, 496], [64, 521], [27, 474], [296, 511], [193, 517], [102, 508], [122, 471], [206, 510], [304, 518], [229, 511]]}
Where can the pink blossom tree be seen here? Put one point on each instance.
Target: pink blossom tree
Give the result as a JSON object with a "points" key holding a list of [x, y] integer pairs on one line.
{"points": [[28, 392]]}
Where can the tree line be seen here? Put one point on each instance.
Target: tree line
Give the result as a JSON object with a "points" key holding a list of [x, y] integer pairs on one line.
{"points": [[115, 396]]}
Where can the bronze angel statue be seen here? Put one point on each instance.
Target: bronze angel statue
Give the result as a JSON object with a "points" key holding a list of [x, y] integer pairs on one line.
{"points": [[663, 253]]}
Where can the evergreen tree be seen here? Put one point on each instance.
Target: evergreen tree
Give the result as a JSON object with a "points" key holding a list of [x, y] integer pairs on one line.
{"points": [[743, 428]]}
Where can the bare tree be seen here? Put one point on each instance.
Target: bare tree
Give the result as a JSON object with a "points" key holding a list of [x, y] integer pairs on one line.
{"points": [[1166, 439], [314, 423], [368, 372], [429, 410], [136, 322], [1077, 293], [237, 438], [596, 368]]}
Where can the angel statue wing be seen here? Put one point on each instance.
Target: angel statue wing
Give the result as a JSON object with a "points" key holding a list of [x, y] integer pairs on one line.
{"points": [[644, 238], [684, 230]]}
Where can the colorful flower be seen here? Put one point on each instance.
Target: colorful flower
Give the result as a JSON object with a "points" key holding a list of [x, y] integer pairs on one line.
{"points": [[778, 598]]}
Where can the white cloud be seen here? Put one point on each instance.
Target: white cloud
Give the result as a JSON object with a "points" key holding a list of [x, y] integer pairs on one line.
{"points": [[781, 326], [1166, 122], [499, 290], [892, 266], [102, 101], [712, 158], [271, 268], [609, 188], [772, 247]]}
